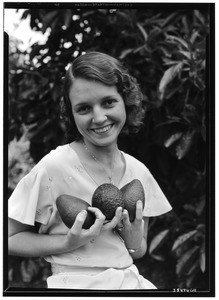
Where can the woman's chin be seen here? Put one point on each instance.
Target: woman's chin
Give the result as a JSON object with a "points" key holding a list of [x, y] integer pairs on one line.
{"points": [[102, 140]]}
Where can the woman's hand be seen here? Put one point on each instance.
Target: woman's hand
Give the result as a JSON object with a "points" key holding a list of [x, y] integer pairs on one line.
{"points": [[77, 236], [134, 233]]}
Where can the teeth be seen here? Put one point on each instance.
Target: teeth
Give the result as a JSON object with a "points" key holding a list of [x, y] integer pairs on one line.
{"points": [[102, 130]]}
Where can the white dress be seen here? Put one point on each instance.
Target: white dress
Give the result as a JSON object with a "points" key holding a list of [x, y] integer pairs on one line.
{"points": [[103, 263]]}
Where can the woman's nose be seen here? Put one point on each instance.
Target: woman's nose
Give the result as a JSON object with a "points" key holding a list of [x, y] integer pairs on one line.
{"points": [[99, 116]]}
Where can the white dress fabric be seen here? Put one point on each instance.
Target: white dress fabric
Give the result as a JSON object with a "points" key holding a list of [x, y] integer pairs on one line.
{"points": [[34, 200], [97, 279]]}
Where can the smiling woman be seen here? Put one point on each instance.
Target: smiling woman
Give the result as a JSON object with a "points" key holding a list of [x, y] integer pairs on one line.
{"points": [[101, 101], [104, 69], [98, 111]]}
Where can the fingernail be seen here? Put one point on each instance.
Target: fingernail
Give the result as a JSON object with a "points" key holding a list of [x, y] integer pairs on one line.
{"points": [[119, 209], [84, 212]]}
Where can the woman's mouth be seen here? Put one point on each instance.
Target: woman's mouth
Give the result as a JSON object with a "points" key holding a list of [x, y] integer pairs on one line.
{"points": [[102, 130]]}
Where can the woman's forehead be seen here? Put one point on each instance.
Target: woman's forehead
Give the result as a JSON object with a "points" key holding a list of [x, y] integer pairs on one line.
{"points": [[83, 90]]}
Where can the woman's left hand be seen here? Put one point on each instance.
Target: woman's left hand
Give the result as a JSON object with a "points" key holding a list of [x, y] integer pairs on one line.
{"points": [[132, 232]]}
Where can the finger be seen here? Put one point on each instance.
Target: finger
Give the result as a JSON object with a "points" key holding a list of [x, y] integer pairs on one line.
{"points": [[139, 212], [120, 226], [100, 219], [125, 217], [79, 221], [98, 213], [116, 219]]}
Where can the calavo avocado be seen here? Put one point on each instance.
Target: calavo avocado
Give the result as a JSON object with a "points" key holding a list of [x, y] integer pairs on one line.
{"points": [[69, 207], [131, 193], [107, 197]]}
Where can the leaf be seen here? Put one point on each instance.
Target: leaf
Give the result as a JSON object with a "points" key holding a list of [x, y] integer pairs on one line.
{"points": [[48, 19], [201, 205], [172, 139], [165, 51], [202, 257], [194, 37], [28, 270], [41, 126], [203, 132], [125, 53], [193, 268], [26, 94], [138, 49], [171, 19], [171, 121], [199, 16], [158, 240], [143, 31], [182, 239], [186, 261], [187, 54], [67, 17], [168, 76], [192, 275], [202, 261], [88, 13], [158, 257], [185, 144], [173, 91], [177, 40]]}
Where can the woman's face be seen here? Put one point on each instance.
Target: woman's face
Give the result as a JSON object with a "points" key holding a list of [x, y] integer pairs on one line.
{"points": [[98, 111]]}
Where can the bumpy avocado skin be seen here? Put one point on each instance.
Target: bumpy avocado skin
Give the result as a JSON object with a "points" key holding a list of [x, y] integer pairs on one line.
{"points": [[131, 193], [69, 207], [107, 197]]}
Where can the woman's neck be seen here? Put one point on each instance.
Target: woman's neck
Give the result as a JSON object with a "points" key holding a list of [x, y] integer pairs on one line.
{"points": [[103, 164], [104, 154]]}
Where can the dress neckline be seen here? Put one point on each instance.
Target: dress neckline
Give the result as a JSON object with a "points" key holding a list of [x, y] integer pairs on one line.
{"points": [[82, 165]]}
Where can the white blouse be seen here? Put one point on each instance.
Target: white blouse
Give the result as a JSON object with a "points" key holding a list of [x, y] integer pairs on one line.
{"points": [[61, 172]]}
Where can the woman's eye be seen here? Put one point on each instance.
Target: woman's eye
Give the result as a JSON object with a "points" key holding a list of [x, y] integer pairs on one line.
{"points": [[83, 109], [110, 102]]}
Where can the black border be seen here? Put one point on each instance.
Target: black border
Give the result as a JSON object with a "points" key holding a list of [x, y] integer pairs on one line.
{"points": [[210, 180]]}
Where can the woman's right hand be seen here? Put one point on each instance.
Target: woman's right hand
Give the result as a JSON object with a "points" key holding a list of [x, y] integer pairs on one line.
{"points": [[78, 236]]}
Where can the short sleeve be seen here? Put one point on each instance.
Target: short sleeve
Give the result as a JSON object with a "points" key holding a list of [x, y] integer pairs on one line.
{"points": [[155, 201], [32, 198]]}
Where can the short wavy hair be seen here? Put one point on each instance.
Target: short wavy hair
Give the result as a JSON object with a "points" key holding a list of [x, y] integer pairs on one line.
{"points": [[109, 71]]}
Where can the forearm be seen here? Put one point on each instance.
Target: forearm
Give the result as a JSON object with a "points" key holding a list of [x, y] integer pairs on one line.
{"points": [[135, 237], [140, 252], [29, 244]]}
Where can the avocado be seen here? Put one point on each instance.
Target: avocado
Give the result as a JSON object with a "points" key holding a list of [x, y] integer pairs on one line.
{"points": [[107, 197], [69, 206], [131, 193]]}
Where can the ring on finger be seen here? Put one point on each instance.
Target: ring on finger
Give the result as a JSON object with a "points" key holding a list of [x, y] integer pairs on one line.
{"points": [[120, 228]]}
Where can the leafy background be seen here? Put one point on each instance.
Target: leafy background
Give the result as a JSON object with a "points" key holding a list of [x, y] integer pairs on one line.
{"points": [[165, 49]]}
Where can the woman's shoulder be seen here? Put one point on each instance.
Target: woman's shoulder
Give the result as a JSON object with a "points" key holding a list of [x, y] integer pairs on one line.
{"points": [[134, 161], [58, 157], [135, 166]]}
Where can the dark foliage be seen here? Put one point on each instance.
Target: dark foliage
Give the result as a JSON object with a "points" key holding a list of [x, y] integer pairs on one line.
{"points": [[166, 51]]}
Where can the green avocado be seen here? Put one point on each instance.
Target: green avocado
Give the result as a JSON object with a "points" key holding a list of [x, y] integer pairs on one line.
{"points": [[107, 197], [69, 206], [131, 193]]}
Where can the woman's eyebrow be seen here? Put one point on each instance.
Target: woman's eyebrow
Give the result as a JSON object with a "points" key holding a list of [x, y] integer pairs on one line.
{"points": [[80, 104], [110, 97]]}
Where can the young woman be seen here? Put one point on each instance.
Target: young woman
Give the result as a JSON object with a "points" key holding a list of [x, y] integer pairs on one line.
{"points": [[101, 101]]}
